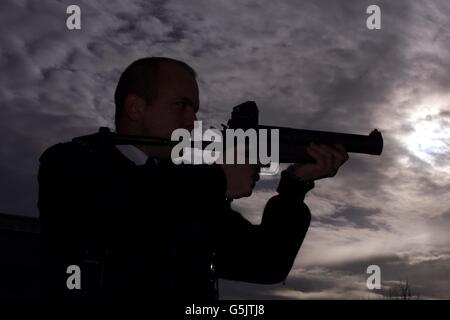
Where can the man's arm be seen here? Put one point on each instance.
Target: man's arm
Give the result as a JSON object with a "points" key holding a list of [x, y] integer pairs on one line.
{"points": [[265, 253]]}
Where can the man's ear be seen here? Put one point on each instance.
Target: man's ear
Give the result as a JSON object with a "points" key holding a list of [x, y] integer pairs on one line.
{"points": [[134, 107]]}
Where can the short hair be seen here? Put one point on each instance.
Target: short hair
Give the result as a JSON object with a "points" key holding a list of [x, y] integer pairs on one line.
{"points": [[141, 79]]}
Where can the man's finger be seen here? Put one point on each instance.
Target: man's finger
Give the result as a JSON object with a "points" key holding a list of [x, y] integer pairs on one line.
{"points": [[342, 149], [328, 157], [337, 158], [340, 156], [316, 155], [319, 149]]}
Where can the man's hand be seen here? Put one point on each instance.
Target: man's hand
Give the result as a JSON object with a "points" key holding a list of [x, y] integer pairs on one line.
{"points": [[328, 161], [241, 179]]}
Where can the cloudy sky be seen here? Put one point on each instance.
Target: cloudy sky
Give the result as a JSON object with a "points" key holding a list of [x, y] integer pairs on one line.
{"points": [[308, 64]]}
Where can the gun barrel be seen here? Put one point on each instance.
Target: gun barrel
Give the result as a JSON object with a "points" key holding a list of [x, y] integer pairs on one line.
{"points": [[293, 142]]}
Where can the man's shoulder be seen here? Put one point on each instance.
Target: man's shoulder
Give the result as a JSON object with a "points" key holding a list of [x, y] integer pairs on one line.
{"points": [[77, 148], [60, 151]]}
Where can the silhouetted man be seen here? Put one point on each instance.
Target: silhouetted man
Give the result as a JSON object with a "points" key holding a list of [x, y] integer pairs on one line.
{"points": [[140, 226]]}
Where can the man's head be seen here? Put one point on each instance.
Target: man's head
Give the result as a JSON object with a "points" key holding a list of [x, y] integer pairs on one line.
{"points": [[155, 96]]}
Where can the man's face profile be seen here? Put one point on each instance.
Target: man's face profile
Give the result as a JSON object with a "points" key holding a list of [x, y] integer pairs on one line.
{"points": [[175, 104]]}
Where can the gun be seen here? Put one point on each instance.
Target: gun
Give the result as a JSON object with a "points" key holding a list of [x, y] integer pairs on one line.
{"points": [[292, 142]]}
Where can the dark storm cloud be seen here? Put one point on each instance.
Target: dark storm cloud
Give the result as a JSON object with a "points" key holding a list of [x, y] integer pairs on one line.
{"points": [[308, 64]]}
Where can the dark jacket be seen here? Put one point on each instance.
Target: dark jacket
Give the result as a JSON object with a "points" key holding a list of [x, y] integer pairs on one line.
{"points": [[156, 231]]}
